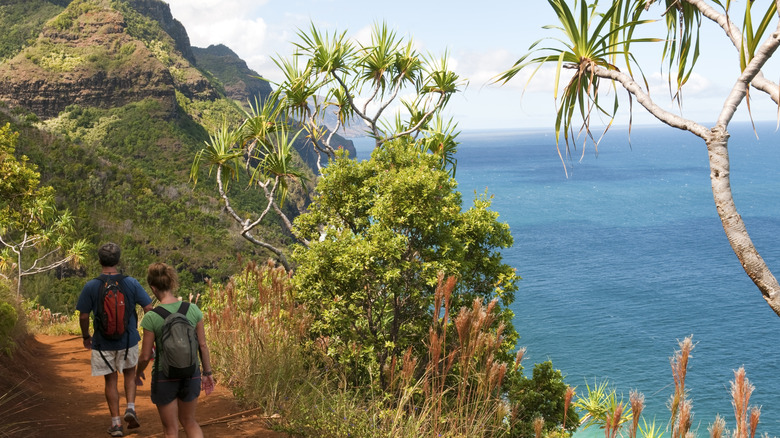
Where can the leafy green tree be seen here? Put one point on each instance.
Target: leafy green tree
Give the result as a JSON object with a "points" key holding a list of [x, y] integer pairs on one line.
{"points": [[330, 73], [380, 232], [35, 237], [596, 44], [541, 396]]}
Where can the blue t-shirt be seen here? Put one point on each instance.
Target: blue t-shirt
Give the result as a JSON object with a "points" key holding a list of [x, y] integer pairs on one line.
{"points": [[88, 302]]}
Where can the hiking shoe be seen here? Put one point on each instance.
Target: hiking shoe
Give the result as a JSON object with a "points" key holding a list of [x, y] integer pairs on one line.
{"points": [[131, 419], [116, 430]]}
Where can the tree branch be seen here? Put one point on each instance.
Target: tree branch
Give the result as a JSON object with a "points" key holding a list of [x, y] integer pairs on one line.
{"points": [[361, 114], [423, 119], [644, 99], [763, 84], [734, 33], [246, 226], [32, 270], [739, 91]]}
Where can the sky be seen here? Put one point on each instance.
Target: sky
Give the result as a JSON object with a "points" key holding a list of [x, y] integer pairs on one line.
{"points": [[481, 38]]}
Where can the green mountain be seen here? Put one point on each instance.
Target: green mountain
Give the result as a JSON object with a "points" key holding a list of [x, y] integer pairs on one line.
{"points": [[112, 103]]}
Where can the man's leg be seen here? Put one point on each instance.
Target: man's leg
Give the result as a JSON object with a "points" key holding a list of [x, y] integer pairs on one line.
{"points": [[130, 388], [131, 360], [112, 393]]}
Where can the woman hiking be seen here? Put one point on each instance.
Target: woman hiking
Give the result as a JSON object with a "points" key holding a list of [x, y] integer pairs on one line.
{"points": [[176, 397]]}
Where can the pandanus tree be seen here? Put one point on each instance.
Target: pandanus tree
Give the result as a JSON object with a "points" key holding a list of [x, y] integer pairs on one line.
{"points": [[360, 83], [596, 45], [34, 236]]}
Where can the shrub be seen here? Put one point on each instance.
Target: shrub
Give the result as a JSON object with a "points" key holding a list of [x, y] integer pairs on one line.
{"points": [[381, 231], [8, 319]]}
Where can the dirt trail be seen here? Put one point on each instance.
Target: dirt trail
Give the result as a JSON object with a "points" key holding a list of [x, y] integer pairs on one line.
{"points": [[69, 403]]}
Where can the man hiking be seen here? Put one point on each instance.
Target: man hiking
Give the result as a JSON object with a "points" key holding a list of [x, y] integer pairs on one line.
{"points": [[111, 299]]}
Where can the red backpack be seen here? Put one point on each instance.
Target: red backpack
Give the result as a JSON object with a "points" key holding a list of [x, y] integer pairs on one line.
{"points": [[112, 314]]}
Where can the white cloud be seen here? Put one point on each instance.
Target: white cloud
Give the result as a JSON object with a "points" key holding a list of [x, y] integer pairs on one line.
{"points": [[363, 35], [697, 86], [482, 69], [223, 22]]}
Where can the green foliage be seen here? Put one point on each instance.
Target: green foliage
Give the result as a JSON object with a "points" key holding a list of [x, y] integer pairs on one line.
{"points": [[381, 231], [543, 395], [21, 21], [12, 323], [140, 26], [68, 19], [124, 172], [211, 114], [35, 237], [20, 180], [8, 320]]}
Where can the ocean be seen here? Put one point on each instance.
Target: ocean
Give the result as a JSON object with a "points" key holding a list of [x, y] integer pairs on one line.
{"points": [[625, 256]]}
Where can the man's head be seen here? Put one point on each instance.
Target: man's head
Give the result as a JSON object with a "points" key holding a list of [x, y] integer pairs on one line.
{"points": [[108, 254]]}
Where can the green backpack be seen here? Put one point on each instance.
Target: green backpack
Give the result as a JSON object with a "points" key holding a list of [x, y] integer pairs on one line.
{"points": [[177, 348]]}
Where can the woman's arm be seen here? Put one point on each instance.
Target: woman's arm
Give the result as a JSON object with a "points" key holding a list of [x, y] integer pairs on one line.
{"points": [[207, 379]]}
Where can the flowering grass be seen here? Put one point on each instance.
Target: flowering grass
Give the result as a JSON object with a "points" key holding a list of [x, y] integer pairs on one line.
{"points": [[256, 334], [41, 320], [603, 408], [260, 348]]}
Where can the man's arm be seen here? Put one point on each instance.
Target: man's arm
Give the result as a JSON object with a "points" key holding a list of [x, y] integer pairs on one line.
{"points": [[84, 324]]}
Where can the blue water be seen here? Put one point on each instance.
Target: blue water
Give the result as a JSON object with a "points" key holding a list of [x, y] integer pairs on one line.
{"points": [[627, 256]]}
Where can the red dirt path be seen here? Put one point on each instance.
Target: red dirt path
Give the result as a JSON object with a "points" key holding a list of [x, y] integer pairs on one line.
{"points": [[67, 402]]}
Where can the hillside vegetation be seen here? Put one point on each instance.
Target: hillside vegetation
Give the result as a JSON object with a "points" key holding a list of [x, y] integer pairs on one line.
{"points": [[112, 113]]}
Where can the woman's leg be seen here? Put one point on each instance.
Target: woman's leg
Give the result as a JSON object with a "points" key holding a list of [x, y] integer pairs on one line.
{"points": [[168, 416], [187, 418]]}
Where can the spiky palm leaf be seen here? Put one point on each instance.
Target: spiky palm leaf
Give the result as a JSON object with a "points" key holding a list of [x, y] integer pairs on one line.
{"points": [[276, 162], [440, 140], [382, 64], [261, 120], [221, 151], [327, 53], [298, 89], [590, 40], [340, 98], [440, 79]]}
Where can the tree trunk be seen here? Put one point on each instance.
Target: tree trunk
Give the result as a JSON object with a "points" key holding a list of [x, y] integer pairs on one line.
{"points": [[753, 264]]}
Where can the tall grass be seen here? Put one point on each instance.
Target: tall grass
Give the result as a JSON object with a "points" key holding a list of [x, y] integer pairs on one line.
{"points": [[453, 392], [256, 333], [258, 337], [602, 407], [14, 399], [41, 320], [13, 403]]}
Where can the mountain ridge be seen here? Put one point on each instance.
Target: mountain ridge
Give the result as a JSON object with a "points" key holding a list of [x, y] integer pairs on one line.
{"points": [[112, 113]]}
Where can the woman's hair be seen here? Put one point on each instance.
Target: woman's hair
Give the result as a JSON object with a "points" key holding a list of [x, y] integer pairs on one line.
{"points": [[162, 277]]}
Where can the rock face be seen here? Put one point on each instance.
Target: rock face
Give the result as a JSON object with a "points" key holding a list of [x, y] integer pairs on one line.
{"points": [[161, 13], [88, 56]]}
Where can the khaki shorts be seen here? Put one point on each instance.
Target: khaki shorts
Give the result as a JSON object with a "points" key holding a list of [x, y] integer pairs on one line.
{"points": [[115, 358]]}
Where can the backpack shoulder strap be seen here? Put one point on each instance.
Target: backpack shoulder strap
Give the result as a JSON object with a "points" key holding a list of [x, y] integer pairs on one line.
{"points": [[160, 310], [105, 277], [184, 308]]}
